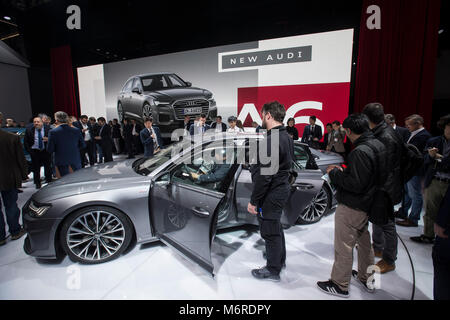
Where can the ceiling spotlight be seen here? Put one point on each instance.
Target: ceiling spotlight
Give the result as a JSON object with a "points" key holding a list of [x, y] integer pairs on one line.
{"points": [[98, 49], [107, 52], [7, 18], [441, 31], [124, 58]]}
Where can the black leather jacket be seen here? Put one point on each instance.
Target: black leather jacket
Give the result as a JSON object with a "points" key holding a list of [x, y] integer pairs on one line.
{"points": [[357, 183], [394, 146]]}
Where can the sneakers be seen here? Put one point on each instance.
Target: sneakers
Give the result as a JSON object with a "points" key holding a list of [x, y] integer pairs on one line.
{"points": [[360, 283], [329, 287], [265, 274], [21, 233], [423, 239], [407, 223], [385, 267]]}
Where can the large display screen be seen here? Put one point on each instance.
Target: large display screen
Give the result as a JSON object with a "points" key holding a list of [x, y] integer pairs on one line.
{"points": [[308, 74]]}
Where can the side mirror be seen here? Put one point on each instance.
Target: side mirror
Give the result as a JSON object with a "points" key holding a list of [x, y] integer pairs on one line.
{"points": [[188, 84], [136, 90], [163, 180]]}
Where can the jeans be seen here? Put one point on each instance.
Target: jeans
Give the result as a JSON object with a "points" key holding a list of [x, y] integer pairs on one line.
{"points": [[413, 199], [12, 213], [441, 264]]}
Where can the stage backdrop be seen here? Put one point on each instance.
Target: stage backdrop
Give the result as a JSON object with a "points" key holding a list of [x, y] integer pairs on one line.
{"points": [[308, 74]]}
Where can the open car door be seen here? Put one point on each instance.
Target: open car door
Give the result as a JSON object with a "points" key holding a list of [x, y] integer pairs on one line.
{"points": [[184, 211]]}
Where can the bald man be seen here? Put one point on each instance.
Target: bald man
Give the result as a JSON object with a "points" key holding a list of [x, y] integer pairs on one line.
{"points": [[35, 142]]}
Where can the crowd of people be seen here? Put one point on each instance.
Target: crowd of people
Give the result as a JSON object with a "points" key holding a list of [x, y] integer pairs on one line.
{"points": [[376, 152]]}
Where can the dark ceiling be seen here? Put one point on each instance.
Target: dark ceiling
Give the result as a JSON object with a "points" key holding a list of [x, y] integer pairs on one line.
{"points": [[116, 30]]}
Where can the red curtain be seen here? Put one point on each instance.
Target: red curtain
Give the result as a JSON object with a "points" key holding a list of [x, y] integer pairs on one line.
{"points": [[64, 97], [396, 65]]}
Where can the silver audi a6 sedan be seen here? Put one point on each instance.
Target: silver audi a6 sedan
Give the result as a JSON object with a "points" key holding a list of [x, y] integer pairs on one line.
{"points": [[180, 197]]}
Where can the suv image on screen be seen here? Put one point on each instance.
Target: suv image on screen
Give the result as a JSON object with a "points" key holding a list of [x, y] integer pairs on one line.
{"points": [[166, 98]]}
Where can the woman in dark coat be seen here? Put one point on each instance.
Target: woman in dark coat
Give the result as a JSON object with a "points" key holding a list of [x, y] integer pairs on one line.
{"points": [[291, 129]]}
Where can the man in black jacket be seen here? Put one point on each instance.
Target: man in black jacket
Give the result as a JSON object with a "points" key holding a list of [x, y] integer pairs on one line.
{"points": [[437, 178], [271, 190], [13, 171], [441, 251], [385, 237], [219, 126], [35, 143], [355, 186], [105, 139], [414, 198]]}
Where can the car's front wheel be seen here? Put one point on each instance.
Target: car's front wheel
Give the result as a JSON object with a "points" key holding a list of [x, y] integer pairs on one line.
{"points": [[146, 111], [319, 206], [96, 234]]}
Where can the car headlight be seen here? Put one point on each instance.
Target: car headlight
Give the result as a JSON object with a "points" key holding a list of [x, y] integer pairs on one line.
{"points": [[157, 103], [38, 210]]}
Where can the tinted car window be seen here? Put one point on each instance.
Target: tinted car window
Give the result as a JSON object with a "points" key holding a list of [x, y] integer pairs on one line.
{"points": [[212, 165], [176, 82], [152, 83], [128, 86], [301, 156]]}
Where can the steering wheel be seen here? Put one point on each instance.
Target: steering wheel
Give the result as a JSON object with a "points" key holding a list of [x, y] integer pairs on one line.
{"points": [[185, 169]]}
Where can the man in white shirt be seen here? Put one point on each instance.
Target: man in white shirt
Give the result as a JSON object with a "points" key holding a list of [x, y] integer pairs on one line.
{"points": [[232, 121]]}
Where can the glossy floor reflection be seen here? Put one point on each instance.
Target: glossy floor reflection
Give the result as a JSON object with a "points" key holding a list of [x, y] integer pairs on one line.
{"points": [[154, 271]]}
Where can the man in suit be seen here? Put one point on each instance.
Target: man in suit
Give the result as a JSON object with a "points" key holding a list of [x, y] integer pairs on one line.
{"points": [[402, 132], [88, 137], [187, 123], [413, 198], [65, 142], [150, 138], [337, 139], [105, 140], [35, 142], [312, 133], [327, 136], [437, 179], [13, 171], [219, 126], [128, 137], [200, 127], [95, 129]]}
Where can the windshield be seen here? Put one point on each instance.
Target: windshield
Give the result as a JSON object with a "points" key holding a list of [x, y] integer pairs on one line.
{"points": [[145, 166], [159, 82]]}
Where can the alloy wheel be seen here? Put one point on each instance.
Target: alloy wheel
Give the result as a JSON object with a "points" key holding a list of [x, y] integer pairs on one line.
{"points": [[95, 236], [120, 112], [146, 111], [317, 208]]}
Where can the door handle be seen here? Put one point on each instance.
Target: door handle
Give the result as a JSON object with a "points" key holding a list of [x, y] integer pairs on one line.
{"points": [[200, 212], [302, 186]]}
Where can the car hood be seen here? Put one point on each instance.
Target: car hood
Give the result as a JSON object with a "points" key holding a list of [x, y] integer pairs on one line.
{"points": [[93, 179], [170, 95]]}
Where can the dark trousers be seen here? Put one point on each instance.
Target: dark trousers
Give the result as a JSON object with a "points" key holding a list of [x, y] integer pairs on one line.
{"points": [[385, 239], [64, 169], [129, 147], [12, 213], [38, 159], [88, 151], [137, 144], [107, 149], [272, 232], [441, 264]]}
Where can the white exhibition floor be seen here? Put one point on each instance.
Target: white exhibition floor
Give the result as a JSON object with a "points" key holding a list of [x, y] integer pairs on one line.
{"points": [[154, 271]]}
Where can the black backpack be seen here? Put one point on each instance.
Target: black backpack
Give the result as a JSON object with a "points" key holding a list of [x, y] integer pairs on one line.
{"points": [[411, 162]]}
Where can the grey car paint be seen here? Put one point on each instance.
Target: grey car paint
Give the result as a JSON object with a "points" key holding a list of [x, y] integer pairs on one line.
{"points": [[135, 102], [148, 202]]}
